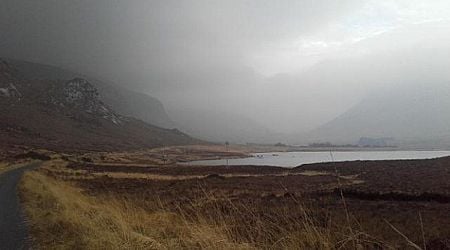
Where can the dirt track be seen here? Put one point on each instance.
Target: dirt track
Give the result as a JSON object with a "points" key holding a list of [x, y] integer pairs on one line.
{"points": [[13, 230]]}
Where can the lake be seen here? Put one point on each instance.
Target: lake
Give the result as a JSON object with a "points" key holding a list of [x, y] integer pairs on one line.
{"points": [[294, 159]]}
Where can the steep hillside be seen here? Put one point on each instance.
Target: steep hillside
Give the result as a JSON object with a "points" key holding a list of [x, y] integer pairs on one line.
{"points": [[69, 115], [123, 101]]}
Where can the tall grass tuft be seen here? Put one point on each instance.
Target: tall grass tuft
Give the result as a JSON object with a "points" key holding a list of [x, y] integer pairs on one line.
{"points": [[64, 216]]}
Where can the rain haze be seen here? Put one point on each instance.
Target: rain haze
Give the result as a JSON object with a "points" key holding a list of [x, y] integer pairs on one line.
{"points": [[256, 71], [225, 124]]}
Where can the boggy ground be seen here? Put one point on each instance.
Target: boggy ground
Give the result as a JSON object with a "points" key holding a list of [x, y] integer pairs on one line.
{"points": [[369, 205]]}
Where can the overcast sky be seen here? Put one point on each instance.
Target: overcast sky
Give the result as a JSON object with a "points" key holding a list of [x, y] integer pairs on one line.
{"points": [[303, 60]]}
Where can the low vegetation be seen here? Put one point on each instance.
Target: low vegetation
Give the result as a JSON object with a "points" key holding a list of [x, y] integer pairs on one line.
{"points": [[62, 217], [86, 205], [6, 166]]}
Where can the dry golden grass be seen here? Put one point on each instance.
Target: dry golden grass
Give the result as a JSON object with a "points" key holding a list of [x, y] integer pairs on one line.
{"points": [[62, 217], [164, 155], [314, 173], [59, 167], [121, 175], [6, 166]]}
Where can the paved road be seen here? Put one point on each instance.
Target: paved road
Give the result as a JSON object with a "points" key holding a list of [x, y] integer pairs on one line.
{"points": [[13, 230]]}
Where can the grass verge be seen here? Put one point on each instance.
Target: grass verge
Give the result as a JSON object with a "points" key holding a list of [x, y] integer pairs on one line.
{"points": [[62, 217], [7, 166]]}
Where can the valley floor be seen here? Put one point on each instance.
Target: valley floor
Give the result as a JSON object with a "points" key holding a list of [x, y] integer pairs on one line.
{"points": [[144, 200]]}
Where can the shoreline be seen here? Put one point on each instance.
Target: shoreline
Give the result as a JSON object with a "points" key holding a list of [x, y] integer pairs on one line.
{"points": [[294, 159]]}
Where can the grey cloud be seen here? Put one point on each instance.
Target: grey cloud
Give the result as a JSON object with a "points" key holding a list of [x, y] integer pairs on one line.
{"points": [[196, 54], [153, 45]]}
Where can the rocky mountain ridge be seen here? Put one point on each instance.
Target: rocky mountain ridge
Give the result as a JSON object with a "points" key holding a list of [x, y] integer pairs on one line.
{"points": [[123, 101], [70, 115]]}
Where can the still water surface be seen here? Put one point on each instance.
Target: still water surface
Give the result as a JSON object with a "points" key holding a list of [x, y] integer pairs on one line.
{"points": [[293, 159]]}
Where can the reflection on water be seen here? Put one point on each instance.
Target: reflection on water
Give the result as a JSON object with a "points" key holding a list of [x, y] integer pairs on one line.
{"points": [[293, 159]]}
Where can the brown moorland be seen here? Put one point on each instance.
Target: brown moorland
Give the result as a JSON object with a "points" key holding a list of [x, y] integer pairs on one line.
{"points": [[370, 204]]}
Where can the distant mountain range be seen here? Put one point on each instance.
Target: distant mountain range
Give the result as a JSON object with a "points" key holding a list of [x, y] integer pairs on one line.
{"points": [[222, 126], [411, 113], [43, 106]]}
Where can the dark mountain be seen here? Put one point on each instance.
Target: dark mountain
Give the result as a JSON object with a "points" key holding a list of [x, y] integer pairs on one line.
{"points": [[68, 115], [124, 101]]}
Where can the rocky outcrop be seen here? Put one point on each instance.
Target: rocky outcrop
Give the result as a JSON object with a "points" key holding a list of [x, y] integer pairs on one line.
{"points": [[82, 96]]}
